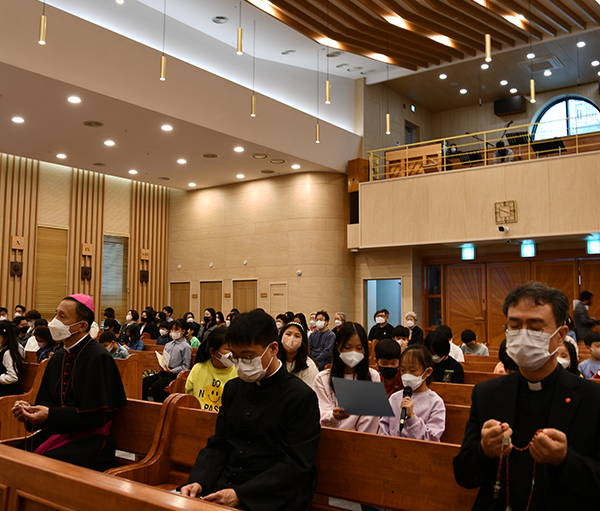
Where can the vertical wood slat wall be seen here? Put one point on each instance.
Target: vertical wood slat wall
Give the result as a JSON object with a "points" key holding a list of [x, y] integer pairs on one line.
{"points": [[18, 217], [86, 225], [149, 230]]}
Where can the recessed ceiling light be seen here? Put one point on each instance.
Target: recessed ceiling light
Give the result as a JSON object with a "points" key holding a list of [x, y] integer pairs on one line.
{"points": [[238, 149], [342, 65], [355, 68], [181, 161], [295, 166], [547, 72], [503, 82], [220, 20], [132, 171], [598, 73], [166, 127], [120, 2], [513, 91], [240, 176], [277, 161], [61, 156], [463, 91], [192, 185], [288, 52], [109, 142], [74, 99], [260, 156], [531, 56], [580, 44], [18, 120], [443, 76], [485, 66], [595, 63]]}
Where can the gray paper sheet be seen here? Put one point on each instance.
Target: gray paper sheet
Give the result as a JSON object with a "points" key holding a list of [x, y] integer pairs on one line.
{"points": [[361, 397]]}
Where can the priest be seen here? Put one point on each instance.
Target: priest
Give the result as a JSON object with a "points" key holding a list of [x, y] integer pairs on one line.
{"points": [[81, 388]]}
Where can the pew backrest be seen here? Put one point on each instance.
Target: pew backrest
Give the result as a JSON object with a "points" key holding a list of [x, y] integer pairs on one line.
{"points": [[475, 377], [456, 423], [453, 393], [131, 375]]}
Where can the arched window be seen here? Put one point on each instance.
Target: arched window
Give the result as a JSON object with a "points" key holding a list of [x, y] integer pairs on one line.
{"points": [[566, 115]]}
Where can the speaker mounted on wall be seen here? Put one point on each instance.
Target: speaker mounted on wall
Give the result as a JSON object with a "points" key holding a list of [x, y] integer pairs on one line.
{"points": [[144, 276], [16, 269], [86, 273]]}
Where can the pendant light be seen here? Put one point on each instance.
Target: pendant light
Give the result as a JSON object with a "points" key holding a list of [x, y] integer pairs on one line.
{"points": [[163, 58], [253, 98], [328, 82], [488, 48], [239, 33], [531, 80], [388, 121], [42, 38], [318, 127]]}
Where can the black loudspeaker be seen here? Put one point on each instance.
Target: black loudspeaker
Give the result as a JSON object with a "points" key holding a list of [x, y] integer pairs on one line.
{"points": [[354, 208], [16, 269], [86, 273], [509, 106], [144, 276]]}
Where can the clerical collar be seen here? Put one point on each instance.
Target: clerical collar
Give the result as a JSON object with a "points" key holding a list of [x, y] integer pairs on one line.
{"points": [[546, 384], [68, 350]]}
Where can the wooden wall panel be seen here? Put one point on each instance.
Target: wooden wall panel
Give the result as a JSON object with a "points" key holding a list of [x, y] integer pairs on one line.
{"points": [[465, 299], [244, 295], [180, 298], [211, 295], [19, 178], [86, 225], [563, 275], [149, 230], [590, 281]]}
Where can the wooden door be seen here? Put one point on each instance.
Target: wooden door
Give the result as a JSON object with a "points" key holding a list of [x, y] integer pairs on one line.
{"points": [[465, 299], [501, 278], [590, 281], [277, 299], [563, 275], [244, 295], [211, 295], [180, 298]]}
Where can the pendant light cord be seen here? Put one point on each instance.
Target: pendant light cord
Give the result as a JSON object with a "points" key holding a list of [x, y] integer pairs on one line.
{"points": [[164, 25]]}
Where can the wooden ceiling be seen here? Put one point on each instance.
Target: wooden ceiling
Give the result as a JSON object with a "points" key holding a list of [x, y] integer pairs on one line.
{"points": [[363, 26]]}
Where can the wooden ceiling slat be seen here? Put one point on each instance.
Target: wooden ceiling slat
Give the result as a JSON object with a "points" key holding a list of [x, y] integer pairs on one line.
{"points": [[472, 9], [534, 19], [569, 13], [551, 15], [588, 10]]}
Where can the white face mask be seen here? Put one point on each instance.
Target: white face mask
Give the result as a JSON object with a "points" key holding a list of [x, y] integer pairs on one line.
{"points": [[3, 318], [352, 358], [227, 322], [190, 320], [312, 323], [565, 362], [436, 359], [225, 359], [338, 323], [163, 332], [291, 344], [175, 336], [320, 325], [379, 320], [279, 325], [42, 344], [529, 349], [59, 330], [253, 371], [129, 318], [17, 314], [412, 381], [410, 324]]}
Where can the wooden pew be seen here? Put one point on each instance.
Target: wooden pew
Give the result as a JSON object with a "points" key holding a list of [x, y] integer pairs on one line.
{"points": [[32, 482], [177, 386], [484, 367], [131, 375], [456, 423], [475, 377], [453, 393], [402, 474], [31, 379]]}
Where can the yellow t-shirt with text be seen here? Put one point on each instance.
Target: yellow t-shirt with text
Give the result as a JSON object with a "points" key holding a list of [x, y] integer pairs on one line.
{"points": [[206, 382]]}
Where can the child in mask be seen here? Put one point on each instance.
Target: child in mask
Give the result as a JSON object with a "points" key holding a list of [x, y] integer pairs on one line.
{"points": [[163, 331], [351, 361], [590, 367], [212, 369], [387, 354], [180, 359], [567, 357], [425, 410], [109, 341], [46, 345], [293, 351], [11, 360], [445, 368]]}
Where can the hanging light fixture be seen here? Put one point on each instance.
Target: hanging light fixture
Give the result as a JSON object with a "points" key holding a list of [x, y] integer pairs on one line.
{"points": [[239, 33], [163, 58], [253, 98], [318, 127], [42, 38], [388, 121], [488, 48], [531, 80], [328, 82]]}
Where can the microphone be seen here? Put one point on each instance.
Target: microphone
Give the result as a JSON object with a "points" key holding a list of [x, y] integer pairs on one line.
{"points": [[408, 392], [510, 123]]}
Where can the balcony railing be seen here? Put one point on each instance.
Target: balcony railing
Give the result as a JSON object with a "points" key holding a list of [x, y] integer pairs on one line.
{"points": [[479, 149]]}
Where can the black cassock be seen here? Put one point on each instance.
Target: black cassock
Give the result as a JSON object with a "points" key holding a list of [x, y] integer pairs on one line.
{"points": [[264, 445], [81, 388]]}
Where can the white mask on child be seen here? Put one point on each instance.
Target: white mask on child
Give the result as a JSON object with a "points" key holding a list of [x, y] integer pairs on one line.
{"points": [[412, 381], [253, 371], [279, 325], [175, 336], [163, 332], [352, 358], [128, 318], [436, 359], [227, 322], [565, 362], [529, 349], [379, 320], [225, 359]]}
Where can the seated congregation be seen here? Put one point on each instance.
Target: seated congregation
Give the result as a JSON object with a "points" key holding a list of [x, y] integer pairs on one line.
{"points": [[271, 416]]}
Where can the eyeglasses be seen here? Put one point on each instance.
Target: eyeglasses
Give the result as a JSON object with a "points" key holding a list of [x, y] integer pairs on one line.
{"points": [[532, 334], [246, 360]]}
